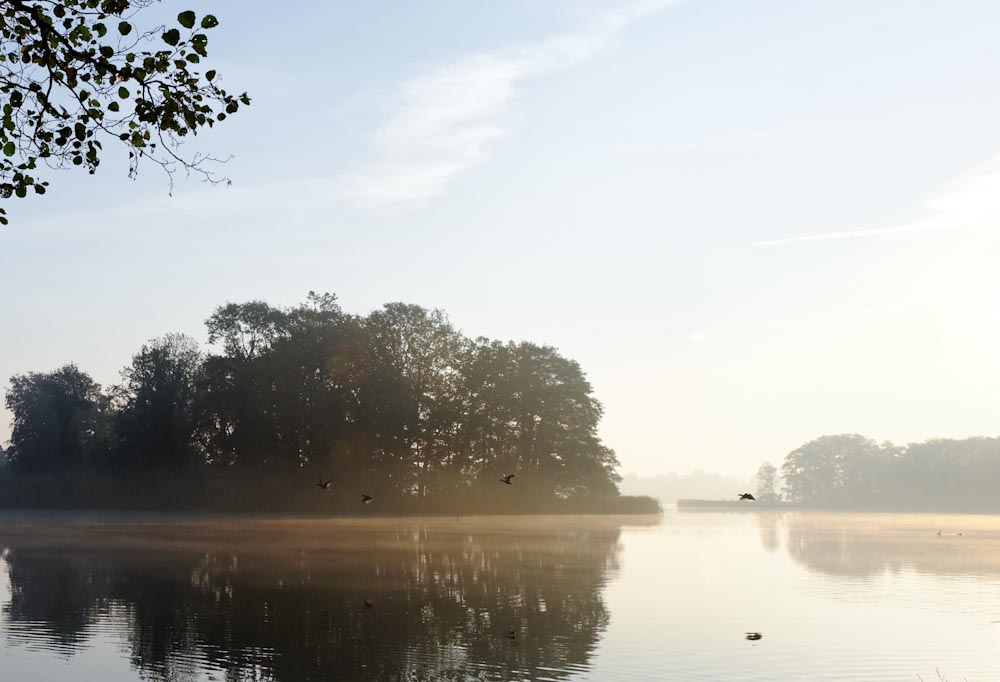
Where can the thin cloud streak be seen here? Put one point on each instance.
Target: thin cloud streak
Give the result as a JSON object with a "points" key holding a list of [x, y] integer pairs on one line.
{"points": [[970, 202], [858, 234]]}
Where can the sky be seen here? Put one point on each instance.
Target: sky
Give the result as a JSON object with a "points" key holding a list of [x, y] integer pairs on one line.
{"points": [[751, 223]]}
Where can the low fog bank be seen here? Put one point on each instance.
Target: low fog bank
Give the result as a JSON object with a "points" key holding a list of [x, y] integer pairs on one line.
{"points": [[670, 487]]}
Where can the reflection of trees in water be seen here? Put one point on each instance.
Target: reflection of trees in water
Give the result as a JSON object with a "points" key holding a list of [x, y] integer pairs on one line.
{"points": [[769, 526], [865, 545], [442, 604], [59, 600]]}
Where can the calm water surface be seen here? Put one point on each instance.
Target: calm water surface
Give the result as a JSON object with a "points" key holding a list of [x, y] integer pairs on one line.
{"points": [[835, 597]]}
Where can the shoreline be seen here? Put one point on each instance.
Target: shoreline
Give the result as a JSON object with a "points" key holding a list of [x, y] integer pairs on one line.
{"points": [[728, 506]]}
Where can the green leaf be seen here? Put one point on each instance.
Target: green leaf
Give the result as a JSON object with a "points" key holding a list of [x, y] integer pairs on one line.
{"points": [[209, 21], [172, 37], [198, 43], [107, 51], [9, 148], [113, 106], [123, 92], [186, 19], [124, 28], [210, 75]]}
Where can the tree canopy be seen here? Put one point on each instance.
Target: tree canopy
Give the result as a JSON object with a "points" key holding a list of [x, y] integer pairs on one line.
{"points": [[78, 74], [60, 420]]}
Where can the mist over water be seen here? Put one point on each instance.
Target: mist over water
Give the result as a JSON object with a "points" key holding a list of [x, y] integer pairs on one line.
{"points": [[833, 596]]}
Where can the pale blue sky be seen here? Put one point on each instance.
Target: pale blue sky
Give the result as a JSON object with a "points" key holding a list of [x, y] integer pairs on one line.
{"points": [[627, 181]]}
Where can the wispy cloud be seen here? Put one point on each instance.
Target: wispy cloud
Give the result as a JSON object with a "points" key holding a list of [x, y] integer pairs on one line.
{"points": [[857, 234], [452, 114], [972, 201]]}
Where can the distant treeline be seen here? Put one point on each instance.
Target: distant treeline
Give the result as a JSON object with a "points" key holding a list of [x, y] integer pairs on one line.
{"points": [[397, 404], [851, 471]]}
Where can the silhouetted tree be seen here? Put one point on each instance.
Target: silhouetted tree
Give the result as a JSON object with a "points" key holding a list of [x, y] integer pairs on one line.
{"points": [[155, 418], [420, 354], [767, 483], [285, 393], [60, 421], [236, 408], [532, 410], [246, 330]]}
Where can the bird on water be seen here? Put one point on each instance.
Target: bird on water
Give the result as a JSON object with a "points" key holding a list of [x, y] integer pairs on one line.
{"points": [[747, 496], [325, 485], [367, 499], [506, 479]]}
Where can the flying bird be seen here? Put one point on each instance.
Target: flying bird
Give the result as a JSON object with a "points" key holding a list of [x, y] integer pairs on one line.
{"points": [[325, 485], [747, 496], [754, 636], [367, 499], [506, 479]]}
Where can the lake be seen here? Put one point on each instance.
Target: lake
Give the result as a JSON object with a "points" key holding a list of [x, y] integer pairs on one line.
{"points": [[832, 596]]}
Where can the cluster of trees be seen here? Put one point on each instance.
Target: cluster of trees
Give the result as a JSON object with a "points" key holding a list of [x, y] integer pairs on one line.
{"points": [[398, 402], [851, 470]]}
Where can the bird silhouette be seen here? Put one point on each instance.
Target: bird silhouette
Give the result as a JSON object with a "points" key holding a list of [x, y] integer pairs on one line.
{"points": [[754, 636], [367, 499], [506, 479], [747, 496], [325, 485]]}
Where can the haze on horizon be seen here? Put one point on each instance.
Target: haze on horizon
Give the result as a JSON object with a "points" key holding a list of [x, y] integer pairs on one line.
{"points": [[751, 226]]}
